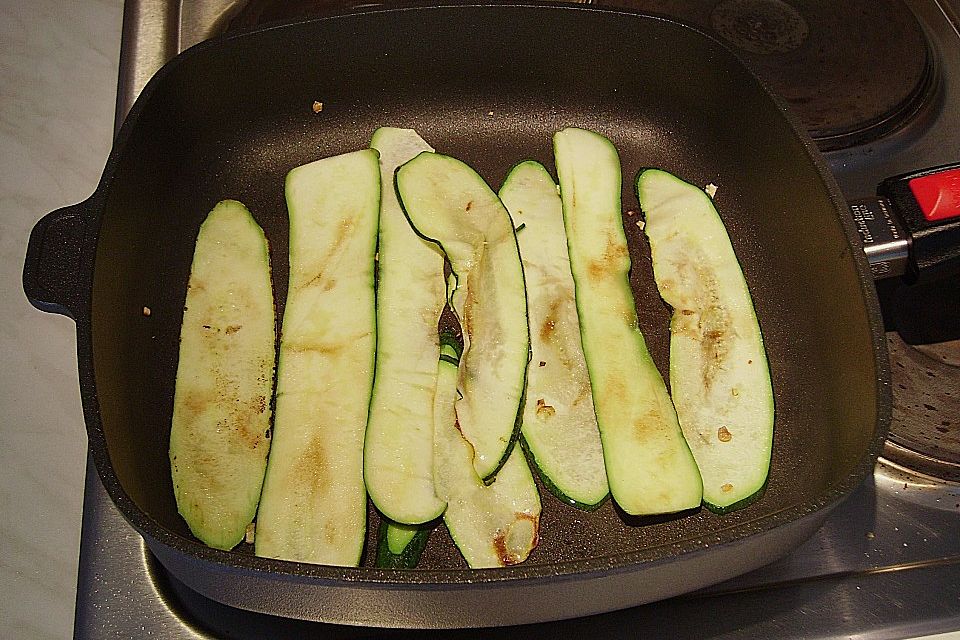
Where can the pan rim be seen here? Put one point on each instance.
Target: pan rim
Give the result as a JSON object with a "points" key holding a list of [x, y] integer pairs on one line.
{"points": [[462, 577]]}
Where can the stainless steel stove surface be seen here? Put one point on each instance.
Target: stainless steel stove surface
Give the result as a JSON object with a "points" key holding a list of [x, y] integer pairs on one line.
{"points": [[887, 562]]}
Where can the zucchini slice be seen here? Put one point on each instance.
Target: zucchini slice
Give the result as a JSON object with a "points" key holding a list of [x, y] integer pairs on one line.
{"points": [[398, 449], [221, 409], [559, 424], [492, 526], [314, 506], [649, 465], [399, 546], [718, 367], [448, 203]]}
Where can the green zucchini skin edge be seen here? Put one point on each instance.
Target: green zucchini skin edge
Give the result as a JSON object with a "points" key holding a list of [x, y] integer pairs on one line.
{"points": [[685, 485], [277, 547], [183, 440], [518, 421], [531, 457], [451, 349], [753, 497], [408, 559], [552, 488], [386, 559], [452, 340], [761, 490], [387, 486]]}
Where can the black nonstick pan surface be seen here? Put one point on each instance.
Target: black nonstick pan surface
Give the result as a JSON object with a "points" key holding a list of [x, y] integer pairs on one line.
{"points": [[489, 85]]}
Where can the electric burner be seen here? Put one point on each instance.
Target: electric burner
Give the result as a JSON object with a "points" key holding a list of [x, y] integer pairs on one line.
{"points": [[924, 433], [851, 71], [925, 375], [878, 84]]}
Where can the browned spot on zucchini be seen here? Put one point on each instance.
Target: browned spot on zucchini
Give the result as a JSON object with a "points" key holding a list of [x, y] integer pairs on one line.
{"points": [[585, 393], [313, 468], [550, 324], [544, 410], [471, 300], [243, 420], [504, 554], [330, 532], [312, 281], [195, 403], [613, 253], [547, 329], [646, 425], [724, 435], [473, 452], [614, 386], [232, 329], [315, 347], [726, 488], [204, 467], [344, 232], [713, 346], [715, 334]]}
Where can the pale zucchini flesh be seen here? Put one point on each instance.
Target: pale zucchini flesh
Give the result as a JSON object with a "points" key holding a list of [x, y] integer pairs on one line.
{"points": [[398, 449], [719, 374], [219, 435], [313, 507], [399, 536], [399, 546], [492, 526], [649, 465], [559, 424], [448, 203]]}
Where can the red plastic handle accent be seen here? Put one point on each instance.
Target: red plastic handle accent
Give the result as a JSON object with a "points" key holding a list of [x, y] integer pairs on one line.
{"points": [[938, 194]]}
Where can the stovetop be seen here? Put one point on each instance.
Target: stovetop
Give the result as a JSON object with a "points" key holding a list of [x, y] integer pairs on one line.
{"points": [[887, 562], [885, 565]]}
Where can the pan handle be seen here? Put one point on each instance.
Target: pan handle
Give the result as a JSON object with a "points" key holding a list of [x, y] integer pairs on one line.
{"points": [[54, 278], [912, 227]]}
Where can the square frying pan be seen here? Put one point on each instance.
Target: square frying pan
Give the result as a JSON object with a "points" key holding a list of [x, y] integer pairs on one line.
{"points": [[489, 85]]}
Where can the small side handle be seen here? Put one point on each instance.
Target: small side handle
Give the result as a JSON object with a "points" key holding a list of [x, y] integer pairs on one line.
{"points": [[54, 277]]}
